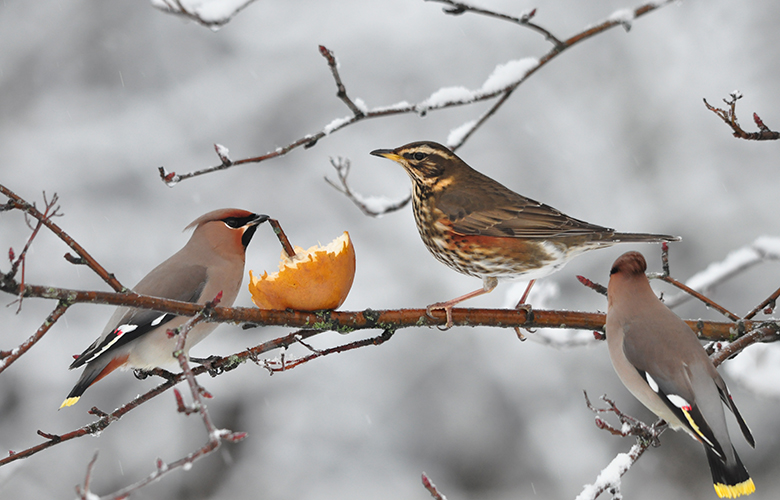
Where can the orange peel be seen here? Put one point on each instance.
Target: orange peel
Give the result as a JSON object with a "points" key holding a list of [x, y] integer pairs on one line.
{"points": [[313, 280]]}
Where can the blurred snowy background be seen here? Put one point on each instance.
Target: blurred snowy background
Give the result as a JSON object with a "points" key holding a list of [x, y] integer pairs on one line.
{"points": [[96, 95]]}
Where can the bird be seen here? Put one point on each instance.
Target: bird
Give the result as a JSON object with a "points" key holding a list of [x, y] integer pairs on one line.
{"points": [[661, 362], [212, 262], [480, 228]]}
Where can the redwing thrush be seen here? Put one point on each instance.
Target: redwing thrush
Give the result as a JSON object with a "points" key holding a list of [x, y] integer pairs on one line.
{"points": [[480, 228]]}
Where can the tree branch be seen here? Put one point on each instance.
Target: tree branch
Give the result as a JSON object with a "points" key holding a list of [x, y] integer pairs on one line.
{"points": [[371, 206], [199, 12], [524, 20], [441, 99], [729, 117], [346, 321], [6, 361], [215, 436], [16, 202]]}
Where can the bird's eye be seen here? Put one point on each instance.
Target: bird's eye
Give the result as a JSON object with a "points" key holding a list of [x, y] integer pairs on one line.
{"points": [[419, 156], [233, 222], [613, 270]]}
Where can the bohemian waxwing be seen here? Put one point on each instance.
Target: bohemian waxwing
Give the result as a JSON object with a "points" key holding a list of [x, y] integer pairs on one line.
{"points": [[659, 359], [211, 262]]}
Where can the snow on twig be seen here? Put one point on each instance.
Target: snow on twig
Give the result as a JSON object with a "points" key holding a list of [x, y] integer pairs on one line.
{"points": [[212, 14], [499, 85], [763, 249]]}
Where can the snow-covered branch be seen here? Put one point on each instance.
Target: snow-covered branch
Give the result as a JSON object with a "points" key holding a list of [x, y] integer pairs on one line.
{"points": [[210, 13], [373, 206], [499, 85], [764, 248]]}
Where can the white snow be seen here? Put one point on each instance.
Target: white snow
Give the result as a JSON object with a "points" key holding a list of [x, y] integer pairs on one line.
{"points": [[456, 135], [769, 245], [336, 123], [361, 105], [622, 16], [397, 106], [209, 11], [222, 151], [718, 271], [375, 204], [609, 477], [508, 73], [503, 75], [446, 95], [763, 248]]}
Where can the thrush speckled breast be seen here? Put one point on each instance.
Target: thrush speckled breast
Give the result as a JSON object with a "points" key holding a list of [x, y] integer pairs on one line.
{"points": [[481, 228]]}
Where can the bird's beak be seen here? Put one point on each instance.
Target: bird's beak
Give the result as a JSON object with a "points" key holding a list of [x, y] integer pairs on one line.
{"points": [[257, 219], [387, 153]]}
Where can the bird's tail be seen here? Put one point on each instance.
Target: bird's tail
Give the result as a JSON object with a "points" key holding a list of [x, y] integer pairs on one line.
{"points": [[642, 238], [730, 478], [94, 371]]}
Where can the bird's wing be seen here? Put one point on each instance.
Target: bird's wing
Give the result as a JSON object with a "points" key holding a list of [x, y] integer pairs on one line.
{"points": [[507, 214], [184, 284], [725, 396], [670, 377]]}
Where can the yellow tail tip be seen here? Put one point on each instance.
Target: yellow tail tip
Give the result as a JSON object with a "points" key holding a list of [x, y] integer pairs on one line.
{"points": [[736, 490], [72, 401]]}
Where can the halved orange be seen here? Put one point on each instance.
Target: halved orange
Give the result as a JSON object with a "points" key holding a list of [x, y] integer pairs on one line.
{"points": [[313, 280]]}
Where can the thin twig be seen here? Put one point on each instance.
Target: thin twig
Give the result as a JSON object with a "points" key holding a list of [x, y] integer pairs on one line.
{"points": [[21, 204], [432, 489], [524, 20], [228, 363], [596, 287], [215, 436], [646, 436], [769, 333], [706, 300], [25, 346], [176, 7], [309, 140], [377, 208], [83, 492], [729, 116], [49, 211], [272, 366], [288, 248], [768, 305], [341, 90]]}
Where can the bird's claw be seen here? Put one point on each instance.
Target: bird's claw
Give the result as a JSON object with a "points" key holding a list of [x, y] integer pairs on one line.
{"points": [[447, 310], [209, 364], [143, 374], [529, 317]]}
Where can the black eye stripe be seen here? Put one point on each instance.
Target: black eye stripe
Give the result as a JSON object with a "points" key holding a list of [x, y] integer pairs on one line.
{"points": [[237, 222]]}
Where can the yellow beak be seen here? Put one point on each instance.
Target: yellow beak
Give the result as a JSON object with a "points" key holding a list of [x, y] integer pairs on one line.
{"points": [[387, 153]]}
